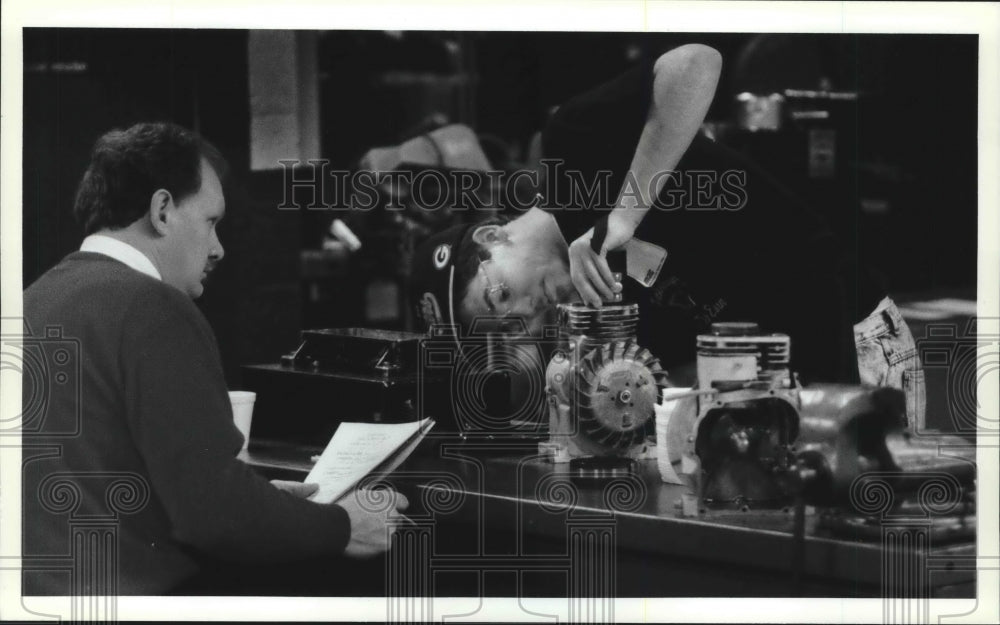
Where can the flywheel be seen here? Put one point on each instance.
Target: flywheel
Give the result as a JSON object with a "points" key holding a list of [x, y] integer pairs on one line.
{"points": [[617, 386]]}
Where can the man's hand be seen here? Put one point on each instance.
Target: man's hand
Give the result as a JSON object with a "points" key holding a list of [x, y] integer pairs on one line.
{"points": [[589, 270], [296, 488], [374, 515]]}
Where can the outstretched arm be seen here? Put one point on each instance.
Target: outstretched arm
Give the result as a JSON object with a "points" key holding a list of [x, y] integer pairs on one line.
{"points": [[684, 82]]}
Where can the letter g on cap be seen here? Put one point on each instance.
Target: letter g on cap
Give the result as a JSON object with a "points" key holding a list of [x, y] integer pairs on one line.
{"points": [[442, 254]]}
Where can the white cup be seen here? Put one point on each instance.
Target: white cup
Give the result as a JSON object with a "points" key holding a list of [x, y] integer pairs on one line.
{"points": [[243, 412]]}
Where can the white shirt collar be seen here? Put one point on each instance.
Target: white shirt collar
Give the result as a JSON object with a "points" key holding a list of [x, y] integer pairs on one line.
{"points": [[122, 252]]}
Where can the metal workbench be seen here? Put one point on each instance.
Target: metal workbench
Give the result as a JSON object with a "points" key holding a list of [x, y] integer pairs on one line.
{"points": [[493, 518]]}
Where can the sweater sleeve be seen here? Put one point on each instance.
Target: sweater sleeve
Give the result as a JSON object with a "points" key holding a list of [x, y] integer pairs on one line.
{"points": [[181, 421]]}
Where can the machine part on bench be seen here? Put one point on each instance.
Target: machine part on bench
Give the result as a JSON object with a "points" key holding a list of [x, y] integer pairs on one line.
{"points": [[617, 386], [749, 438], [602, 385], [733, 434]]}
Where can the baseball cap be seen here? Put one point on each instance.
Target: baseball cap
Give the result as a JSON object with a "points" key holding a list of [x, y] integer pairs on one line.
{"points": [[432, 280]]}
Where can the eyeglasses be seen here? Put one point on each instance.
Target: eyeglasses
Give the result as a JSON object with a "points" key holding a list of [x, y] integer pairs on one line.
{"points": [[496, 295]]}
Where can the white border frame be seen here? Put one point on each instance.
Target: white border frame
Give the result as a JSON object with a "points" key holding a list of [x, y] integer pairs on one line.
{"points": [[593, 15]]}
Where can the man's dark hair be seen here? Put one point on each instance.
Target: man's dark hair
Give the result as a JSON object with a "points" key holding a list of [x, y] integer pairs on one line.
{"points": [[127, 166], [469, 255]]}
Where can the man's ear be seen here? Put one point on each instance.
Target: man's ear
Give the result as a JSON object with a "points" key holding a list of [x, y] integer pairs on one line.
{"points": [[490, 235], [160, 204]]}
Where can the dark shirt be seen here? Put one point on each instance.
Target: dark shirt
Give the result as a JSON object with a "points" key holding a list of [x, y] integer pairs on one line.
{"points": [[130, 436], [740, 245]]}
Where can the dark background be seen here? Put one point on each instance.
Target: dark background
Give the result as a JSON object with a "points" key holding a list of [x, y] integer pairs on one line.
{"points": [[907, 148]]}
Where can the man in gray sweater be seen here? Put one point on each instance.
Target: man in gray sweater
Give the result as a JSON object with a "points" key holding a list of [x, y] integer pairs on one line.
{"points": [[154, 445]]}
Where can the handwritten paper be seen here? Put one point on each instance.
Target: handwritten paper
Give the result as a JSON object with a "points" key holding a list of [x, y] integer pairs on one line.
{"points": [[357, 449]]}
